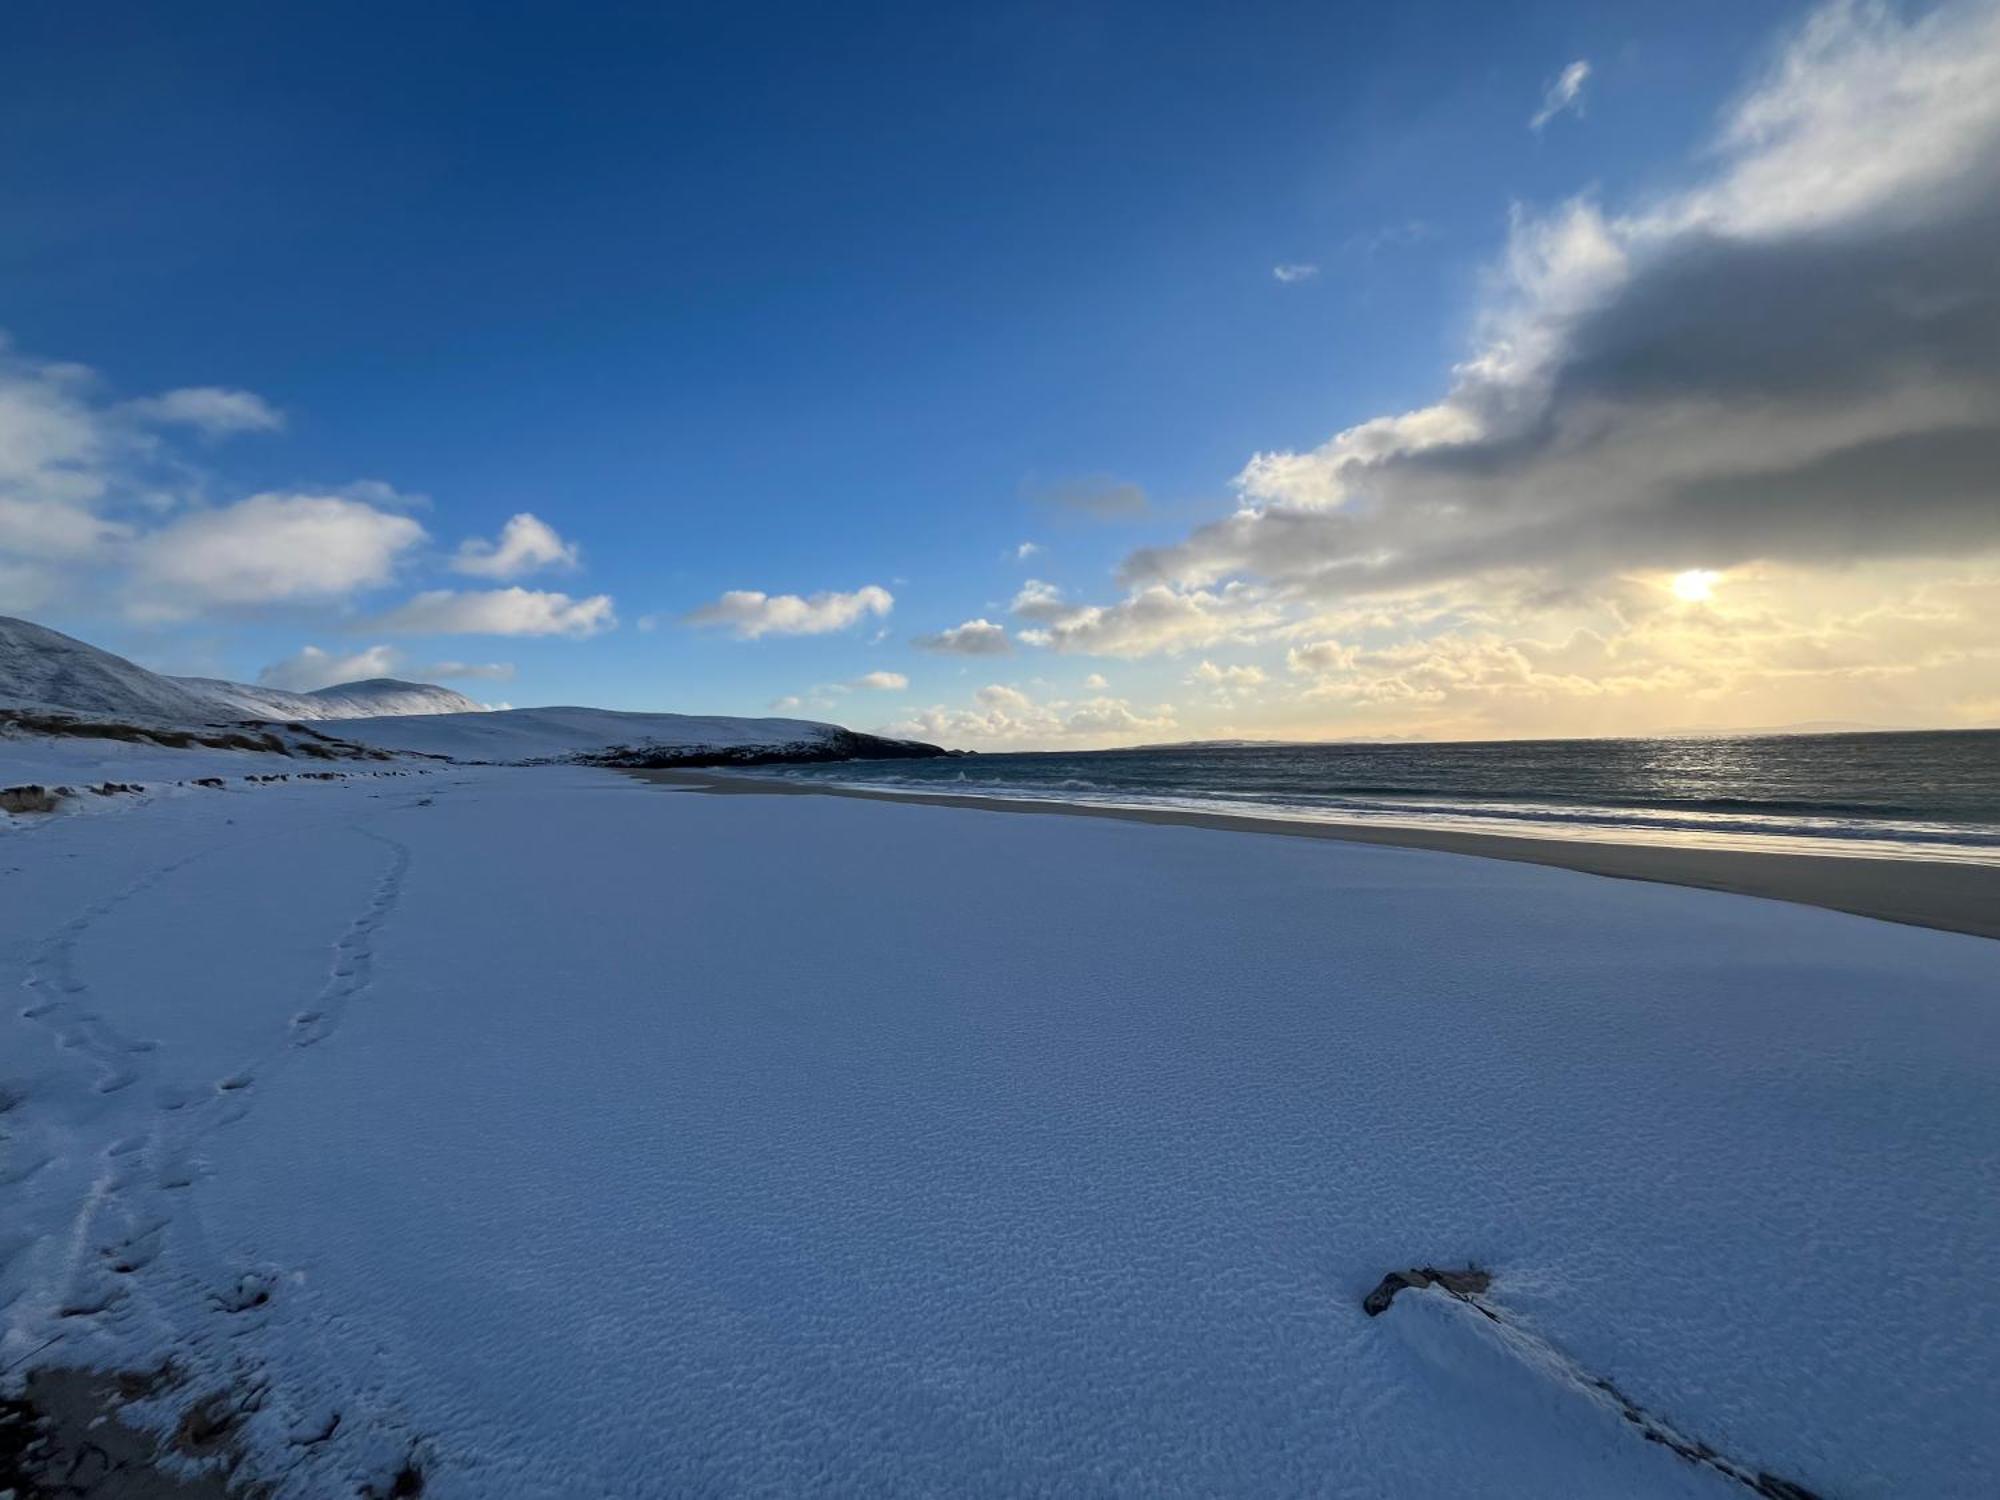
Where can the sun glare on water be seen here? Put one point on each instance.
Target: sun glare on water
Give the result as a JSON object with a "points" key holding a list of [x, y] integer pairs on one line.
{"points": [[1695, 585]]}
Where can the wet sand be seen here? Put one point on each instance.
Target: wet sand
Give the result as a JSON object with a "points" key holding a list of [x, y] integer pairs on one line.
{"points": [[1922, 893]]}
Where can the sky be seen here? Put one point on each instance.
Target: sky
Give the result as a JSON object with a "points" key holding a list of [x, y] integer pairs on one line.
{"points": [[1020, 376]]}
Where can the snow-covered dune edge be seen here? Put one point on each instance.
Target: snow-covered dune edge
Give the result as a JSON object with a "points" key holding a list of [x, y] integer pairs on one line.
{"points": [[596, 736]]}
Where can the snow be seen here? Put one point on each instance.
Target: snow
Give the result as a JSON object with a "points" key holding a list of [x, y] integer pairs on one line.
{"points": [[83, 763], [42, 668], [348, 700], [521, 735], [583, 1137]]}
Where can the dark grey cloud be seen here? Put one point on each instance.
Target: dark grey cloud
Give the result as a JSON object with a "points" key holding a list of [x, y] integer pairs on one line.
{"points": [[1797, 362]]}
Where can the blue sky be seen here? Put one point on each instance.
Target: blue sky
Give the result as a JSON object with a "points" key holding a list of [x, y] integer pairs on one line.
{"points": [[796, 300]]}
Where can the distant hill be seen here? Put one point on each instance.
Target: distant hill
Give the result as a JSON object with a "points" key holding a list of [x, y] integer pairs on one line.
{"points": [[604, 737], [376, 698], [44, 673], [43, 668]]}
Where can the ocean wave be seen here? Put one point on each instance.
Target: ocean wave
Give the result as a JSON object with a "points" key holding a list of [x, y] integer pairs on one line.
{"points": [[1927, 795]]}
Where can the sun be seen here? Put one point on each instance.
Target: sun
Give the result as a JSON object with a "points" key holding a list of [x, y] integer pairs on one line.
{"points": [[1695, 585]]}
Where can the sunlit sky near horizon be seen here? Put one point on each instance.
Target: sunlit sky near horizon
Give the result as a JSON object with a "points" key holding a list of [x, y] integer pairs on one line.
{"points": [[1020, 376]]}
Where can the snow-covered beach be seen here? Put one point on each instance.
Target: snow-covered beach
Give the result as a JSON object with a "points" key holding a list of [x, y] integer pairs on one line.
{"points": [[546, 1133], [1961, 895]]}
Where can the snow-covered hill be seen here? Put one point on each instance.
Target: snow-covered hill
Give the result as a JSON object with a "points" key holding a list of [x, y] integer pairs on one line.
{"points": [[42, 669], [378, 697], [598, 736]]}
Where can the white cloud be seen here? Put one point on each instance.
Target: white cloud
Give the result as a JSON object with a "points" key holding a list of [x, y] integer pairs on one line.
{"points": [[209, 409], [1027, 550], [310, 668], [526, 543], [1620, 411], [1227, 687], [52, 529], [825, 696], [973, 638], [1003, 714], [1912, 644], [58, 454], [1320, 657], [509, 611], [1294, 271], [1150, 619], [750, 613], [483, 671], [79, 474], [272, 548], [1208, 674], [1039, 601], [1566, 93], [1096, 682]]}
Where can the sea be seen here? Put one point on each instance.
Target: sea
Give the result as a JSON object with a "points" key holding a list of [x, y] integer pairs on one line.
{"points": [[1908, 795]]}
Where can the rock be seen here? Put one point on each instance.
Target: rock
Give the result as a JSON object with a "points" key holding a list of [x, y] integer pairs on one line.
{"points": [[30, 798], [1468, 1282]]}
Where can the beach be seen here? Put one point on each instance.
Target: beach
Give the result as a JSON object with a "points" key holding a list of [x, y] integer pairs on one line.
{"points": [[1953, 897], [545, 1132]]}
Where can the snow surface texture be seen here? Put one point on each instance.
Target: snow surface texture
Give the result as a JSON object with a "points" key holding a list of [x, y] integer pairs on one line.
{"points": [[43, 668], [587, 1138], [524, 736]]}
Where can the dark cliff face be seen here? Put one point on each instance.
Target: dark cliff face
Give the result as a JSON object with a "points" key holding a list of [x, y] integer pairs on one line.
{"points": [[843, 744]]}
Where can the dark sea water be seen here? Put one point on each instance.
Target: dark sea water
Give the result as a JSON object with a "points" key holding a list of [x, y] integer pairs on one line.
{"points": [[1932, 795]]}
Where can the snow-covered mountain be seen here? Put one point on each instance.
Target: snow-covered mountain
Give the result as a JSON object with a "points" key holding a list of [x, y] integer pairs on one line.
{"points": [[45, 669], [600, 736], [378, 697]]}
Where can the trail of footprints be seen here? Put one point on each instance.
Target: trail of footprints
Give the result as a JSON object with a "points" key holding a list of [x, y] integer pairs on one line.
{"points": [[122, 1222], [57, 993], [354, 954]]}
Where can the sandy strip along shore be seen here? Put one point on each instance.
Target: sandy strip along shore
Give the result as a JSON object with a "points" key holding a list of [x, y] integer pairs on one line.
{"points": [[1923, 893]]}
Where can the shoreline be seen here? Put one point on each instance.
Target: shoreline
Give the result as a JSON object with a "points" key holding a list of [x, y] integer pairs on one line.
{"points": [[1948, 897]]}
